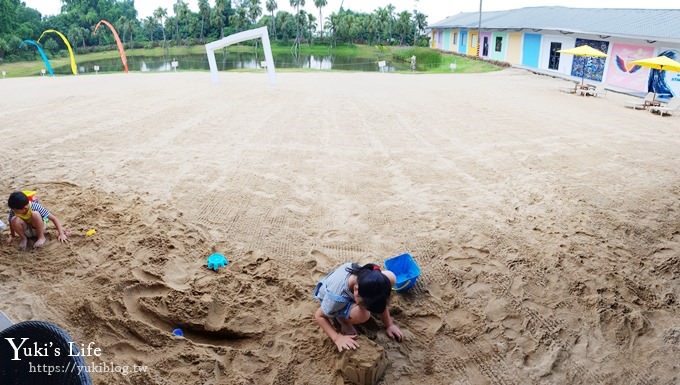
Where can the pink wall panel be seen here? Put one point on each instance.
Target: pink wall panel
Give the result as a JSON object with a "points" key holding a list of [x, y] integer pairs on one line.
{"points": [[622, 74], [486, 35]]}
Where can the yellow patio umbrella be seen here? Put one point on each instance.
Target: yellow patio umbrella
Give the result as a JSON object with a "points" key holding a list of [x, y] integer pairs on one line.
{"points": [[661, 63], [583, 50]]}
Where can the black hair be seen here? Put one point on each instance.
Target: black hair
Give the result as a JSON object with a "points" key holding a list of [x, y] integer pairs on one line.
{"points": [[374, 286], [17, 200]]}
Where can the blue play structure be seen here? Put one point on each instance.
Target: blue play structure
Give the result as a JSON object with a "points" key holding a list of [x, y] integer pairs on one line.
{"points": [[406, 269], [216, 260], [42, 54]]}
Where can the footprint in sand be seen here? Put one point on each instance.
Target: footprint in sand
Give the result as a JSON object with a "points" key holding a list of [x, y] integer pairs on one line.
{"points": [[667, 263], [319, 265], [179, 273], [145, 276], [428, 325], [463, 322], [475, 252], [329, 235], [322, 262]]}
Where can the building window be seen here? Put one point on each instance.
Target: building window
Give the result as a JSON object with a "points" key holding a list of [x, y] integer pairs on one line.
{"points": [[499, 43], [455, 38], [474, 41], [554, 62]]}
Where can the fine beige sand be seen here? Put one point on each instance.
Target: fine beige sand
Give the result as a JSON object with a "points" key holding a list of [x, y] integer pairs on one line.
{"points": [[547, 225]]}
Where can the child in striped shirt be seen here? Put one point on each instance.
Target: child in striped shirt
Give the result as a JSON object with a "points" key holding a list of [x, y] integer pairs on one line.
{"points": [[29, 220]]}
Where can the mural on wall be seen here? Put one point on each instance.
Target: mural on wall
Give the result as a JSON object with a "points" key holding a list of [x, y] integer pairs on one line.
{"points": [[589, 67], [622, 74], [666, 84]]}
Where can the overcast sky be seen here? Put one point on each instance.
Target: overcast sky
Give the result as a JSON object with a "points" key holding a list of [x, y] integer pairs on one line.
{"points": [[436, 10]]}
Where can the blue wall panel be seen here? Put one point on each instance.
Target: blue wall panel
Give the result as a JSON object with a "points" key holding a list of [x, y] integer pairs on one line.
{"points": [[531, 50], [462, 42]]}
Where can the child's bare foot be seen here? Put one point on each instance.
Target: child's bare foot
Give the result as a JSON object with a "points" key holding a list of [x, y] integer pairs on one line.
{"points": [[40, 242], [23, 243], [347, 329]]}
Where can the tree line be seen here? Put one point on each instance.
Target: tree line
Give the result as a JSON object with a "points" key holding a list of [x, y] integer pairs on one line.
{"points": [[77, 19]]}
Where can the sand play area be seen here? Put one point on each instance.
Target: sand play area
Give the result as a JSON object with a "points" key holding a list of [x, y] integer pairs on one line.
{"points": [[546, 225]]}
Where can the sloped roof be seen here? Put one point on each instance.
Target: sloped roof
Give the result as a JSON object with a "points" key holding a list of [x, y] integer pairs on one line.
{"points": [[657, 24]]}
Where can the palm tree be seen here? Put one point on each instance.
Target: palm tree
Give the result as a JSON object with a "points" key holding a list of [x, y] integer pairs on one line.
{"points": [[204, 11], [239, 19], [75, 33], [271, 7], [122, 26], [218, 16], [84, 32], [181, 12], [404, 27], [320, 4], [421, 24], [149, 25], [311, 23], [175, 9], [126, 26], [98, 35], [254, 10], [332, 26], [390, 19], [297, 4], [369, 25], [161, 13], [130, 27], [286, 23]]}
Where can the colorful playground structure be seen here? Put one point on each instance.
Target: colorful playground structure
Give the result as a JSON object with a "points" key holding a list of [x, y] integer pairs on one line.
{"points": [[72, 58]]}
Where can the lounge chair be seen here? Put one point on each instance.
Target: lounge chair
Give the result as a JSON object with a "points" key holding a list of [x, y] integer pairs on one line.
{"points": [[583, 89], [33, 370], [568, 90], [672, 106], [646, 102], [599, 91]]}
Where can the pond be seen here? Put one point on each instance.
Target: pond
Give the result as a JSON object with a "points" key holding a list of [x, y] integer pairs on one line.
{"points": [[237, 60]]}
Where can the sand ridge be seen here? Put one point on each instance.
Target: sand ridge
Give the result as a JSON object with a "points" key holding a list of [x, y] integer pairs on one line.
{"points": [[546, 224]]}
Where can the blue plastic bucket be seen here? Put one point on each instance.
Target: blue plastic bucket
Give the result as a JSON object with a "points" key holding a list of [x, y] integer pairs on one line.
{"points": [[406, 269]]}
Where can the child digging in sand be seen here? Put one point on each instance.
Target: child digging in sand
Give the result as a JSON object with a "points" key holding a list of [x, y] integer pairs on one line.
{"points": [[29, 220], [349, 294]]}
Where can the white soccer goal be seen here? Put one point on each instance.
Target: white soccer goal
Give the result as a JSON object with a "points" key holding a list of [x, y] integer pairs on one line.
{"points": [[237, 38]]}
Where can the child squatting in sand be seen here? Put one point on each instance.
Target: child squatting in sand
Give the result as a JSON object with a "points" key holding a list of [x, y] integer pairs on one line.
{"points": [[29, 220], [349, 294]]}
